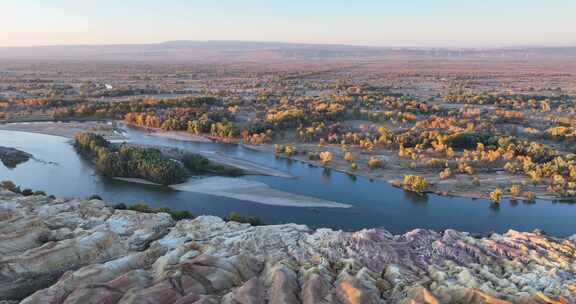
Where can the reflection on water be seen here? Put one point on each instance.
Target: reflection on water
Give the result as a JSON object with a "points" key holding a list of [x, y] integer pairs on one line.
{"points": [[416, 198], [376, 203], [326, 173], [495, 207], [352, 176]]}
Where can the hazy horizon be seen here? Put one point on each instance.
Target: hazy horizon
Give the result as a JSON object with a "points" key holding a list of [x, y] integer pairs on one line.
{"points": [[495, 46], [417, 23]]}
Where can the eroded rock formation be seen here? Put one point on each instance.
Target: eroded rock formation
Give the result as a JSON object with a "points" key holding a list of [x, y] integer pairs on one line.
{"points": [[74, 251]]}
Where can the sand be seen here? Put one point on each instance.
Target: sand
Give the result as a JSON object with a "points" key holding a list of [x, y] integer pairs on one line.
{"points": [[136, 180], [180, 135], [254, 191], [246, 190], [249, 167], [65, 129]]}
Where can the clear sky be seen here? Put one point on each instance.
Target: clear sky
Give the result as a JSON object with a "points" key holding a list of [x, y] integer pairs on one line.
{"points": [[362, 22]]}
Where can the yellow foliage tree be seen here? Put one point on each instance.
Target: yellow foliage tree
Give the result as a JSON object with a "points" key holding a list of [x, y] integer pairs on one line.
{"points": [[514, 190], [349, 157], [374, 162], [446, 173], [353, 166], [325, 157], [530, 196], [289, 150], [496, 195], [415, 183]]}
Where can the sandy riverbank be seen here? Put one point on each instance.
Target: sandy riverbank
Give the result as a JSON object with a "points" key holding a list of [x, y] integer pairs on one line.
{"points": [[66, 129], [249, 168], [254, 191], [136, 180], [245, 190], [459, 185], [180, 135], [112, 133]]}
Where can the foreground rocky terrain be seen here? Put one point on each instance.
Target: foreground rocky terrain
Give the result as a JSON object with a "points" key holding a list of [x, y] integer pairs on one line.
{"points": [[76, 251]]}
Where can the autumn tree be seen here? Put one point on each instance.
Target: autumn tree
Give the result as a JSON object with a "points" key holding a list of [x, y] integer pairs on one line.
{"points": [[325, 157], [415, 183], [496, 195]]}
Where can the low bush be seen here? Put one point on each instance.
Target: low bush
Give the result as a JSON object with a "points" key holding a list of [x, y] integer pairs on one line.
{"points": [[252, 220], [143, 207]]}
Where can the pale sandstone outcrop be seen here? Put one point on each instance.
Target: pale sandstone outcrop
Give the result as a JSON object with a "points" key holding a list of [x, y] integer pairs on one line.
{"points": [[74, 251]]}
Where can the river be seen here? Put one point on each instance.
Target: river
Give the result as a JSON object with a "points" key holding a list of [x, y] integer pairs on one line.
{"points": [[62, 172]]}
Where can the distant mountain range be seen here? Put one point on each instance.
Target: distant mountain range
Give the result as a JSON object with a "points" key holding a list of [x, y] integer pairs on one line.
{"points": [[208, 51]]}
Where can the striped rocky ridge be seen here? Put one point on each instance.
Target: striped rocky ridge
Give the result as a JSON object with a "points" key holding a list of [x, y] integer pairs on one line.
{"points": [[79, 251]]}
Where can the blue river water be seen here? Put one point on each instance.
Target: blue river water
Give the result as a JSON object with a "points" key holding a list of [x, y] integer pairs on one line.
{"points": [[58, 170]]}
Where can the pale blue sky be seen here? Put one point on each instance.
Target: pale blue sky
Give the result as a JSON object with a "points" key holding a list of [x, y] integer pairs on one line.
{"points": [[362, 22]]}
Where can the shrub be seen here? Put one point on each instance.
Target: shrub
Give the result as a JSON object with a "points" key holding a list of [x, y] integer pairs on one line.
{"points": [[514, 190], [120, 206], [465, 168], [10, 186], [287, 150], [530, 196], [181, 215], [496, 195], [27, 192], [290, 150], [198, 164], [349, 157], [468, 141], [236, 217], [446, 173], [353, 166], [476, 181], [415, 183], [141, 207], [374, 162], [325, 157], [313, 156]]}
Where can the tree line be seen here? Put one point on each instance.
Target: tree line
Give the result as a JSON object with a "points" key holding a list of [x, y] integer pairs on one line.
{"points": [[129, 161], [151, 164]]}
